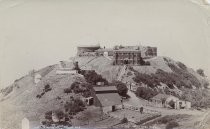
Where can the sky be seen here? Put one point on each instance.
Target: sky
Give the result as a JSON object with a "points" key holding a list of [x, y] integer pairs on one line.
{"points": [[38, 33]]}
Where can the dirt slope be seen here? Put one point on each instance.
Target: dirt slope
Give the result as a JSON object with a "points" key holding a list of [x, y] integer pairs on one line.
{"points": [[20, 99]]}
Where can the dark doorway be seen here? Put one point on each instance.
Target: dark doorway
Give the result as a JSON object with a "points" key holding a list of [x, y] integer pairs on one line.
{"points": [[91, 101], [113, 108]]}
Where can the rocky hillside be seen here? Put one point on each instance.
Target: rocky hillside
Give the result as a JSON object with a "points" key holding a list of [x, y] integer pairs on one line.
{"points": [[25, 98], [172, 72]]}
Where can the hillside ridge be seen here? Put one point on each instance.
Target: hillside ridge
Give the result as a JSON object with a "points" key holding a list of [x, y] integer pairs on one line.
{"points": [[21, 96]]}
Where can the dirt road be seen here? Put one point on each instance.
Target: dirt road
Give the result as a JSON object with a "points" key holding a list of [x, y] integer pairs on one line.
{"points": [[205, 122]]}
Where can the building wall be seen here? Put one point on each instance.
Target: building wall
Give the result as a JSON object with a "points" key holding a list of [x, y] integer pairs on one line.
{"points": [[183, 104], [101, 53], [127, 57], [82, 50], [151, 52], [96, 102]]}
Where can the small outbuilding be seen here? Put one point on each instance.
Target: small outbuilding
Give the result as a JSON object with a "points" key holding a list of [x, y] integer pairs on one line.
{"points": [[180, 104], [37, 78], [107, 98], [30, 123], [105, 52], [164, 100]]}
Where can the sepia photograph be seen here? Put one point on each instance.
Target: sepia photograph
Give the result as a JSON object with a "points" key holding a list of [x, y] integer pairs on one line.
{"points": [[111, 64]]}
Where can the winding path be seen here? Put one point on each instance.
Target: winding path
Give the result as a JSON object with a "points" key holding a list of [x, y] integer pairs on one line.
{"points": [[204, 123]]}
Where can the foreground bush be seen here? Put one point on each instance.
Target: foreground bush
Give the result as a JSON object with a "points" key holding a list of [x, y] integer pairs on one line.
{"points": [[145, 92], [172, 125], [74, 106]]}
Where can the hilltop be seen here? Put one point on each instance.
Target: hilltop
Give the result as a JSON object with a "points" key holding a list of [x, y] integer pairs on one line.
{"points": [[20, 99]]}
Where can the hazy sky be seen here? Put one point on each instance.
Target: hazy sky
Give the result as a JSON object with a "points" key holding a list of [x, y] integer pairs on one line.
{"points": [[37, 33]]}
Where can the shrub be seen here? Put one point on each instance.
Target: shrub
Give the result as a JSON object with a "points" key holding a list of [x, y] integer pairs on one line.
{"points": [[166, 60], [171, 103], [206, 84], [74, 106], [92, 77], [147, 63], [172, 125], [121, 87], [181, 65], [58, 98], [42, 93], [84, 88], [124, 120], [7, 90], [164, 120], [199, 98], [39, 96], [145, 92], [47, 123], [47, 88], [200, 72], [187, 78], [129, 73], [141, 110], [67, 90], [48, 115], [60, 114], [178, 77]]}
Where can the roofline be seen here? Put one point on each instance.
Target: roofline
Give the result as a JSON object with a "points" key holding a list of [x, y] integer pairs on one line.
{"points": [[97, 45]]}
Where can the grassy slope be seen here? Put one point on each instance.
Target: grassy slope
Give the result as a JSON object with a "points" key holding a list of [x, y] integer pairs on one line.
{"points": [[22, 101]]}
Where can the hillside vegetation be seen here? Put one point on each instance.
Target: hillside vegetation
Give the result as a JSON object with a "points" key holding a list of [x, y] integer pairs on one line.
{"points": [[25, 98]]}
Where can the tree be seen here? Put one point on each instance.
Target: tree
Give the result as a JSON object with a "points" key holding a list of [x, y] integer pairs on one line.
{"points": [[47, 88], [121, 87], [141, 110], [171, 103], [92, 77], [74, 106], [67, 90], [145, 92], [48, 115], [124, 120], [60, 114], [200, 72]]}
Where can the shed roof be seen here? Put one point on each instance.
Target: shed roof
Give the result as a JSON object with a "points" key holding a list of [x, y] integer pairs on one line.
{"points": [[105, 88], [161, 96], [106, 49], [128, 49], [109, 99], [89, 46]]}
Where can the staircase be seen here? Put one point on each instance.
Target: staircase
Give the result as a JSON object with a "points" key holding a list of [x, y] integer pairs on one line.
{"points": [[122, 72], [84, 65], [107, 57]]}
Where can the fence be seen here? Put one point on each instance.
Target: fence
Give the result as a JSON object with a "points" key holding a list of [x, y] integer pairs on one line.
{"points": [[137, 109]]}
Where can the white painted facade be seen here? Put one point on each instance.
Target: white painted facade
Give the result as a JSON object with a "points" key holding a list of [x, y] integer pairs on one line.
{"points": [[25, 123], [66, 71], [37, 78], [183, 104]]}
